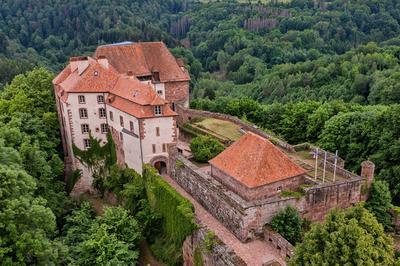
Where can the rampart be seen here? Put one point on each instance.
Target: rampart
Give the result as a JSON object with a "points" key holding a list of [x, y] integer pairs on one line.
{"points": [[246, 219]]}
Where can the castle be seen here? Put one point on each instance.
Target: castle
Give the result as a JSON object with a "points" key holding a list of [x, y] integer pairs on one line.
{"points": [[139, 92], [130, 89]]}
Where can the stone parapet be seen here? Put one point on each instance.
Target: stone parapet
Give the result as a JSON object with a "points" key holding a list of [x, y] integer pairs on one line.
{"points": [[195, 250], [285, 249]]}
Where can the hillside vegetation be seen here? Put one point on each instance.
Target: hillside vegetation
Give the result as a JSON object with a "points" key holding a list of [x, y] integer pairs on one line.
{"points": [[325, 72]]}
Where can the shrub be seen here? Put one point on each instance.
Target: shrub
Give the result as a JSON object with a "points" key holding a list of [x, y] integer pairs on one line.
{"points": [[288, 223], [205, 148]]}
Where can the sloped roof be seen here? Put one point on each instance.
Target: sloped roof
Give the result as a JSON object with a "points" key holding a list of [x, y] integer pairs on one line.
{"points": [[127, 93], [139, 111], [254, 161], [142, 59], [89, 76], [133, 90]]}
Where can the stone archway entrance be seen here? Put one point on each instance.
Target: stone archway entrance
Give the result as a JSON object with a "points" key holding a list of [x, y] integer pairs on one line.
{"points": [[160, 163], [161, 167]]}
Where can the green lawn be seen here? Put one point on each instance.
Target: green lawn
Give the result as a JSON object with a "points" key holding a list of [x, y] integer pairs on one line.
{"points": [[221, 127]]}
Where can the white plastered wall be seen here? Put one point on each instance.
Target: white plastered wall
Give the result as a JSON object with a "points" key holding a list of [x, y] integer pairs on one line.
{"points": [[131, 142], [94, 121], [166, 125]]}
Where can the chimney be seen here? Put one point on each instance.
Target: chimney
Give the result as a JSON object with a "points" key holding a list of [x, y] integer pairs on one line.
{"points": [[102, 61], [367, 171]]}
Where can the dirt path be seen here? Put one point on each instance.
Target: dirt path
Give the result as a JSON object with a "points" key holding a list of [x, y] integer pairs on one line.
{"points": [[254, 253]]}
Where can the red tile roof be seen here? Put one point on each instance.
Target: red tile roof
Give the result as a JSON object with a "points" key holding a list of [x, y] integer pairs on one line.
{"points": [[132, 89], [138, 111], [88, 76], [136, 98], [142, 59], [254, 161], [127, 93]]}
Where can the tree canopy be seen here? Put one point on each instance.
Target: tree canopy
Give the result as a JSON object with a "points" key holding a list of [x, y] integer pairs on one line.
{"points": [[351, 237]]}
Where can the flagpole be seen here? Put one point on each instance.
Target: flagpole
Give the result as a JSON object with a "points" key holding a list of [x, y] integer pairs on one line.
{"points": [[323, 175], [334, 169], [316, 163]]}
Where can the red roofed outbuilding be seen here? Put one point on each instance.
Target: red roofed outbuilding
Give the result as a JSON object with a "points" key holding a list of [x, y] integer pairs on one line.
{"points": [[254, 168]]}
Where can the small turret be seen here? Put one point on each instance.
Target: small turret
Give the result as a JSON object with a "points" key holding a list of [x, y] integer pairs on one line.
{"points": [[367, 171]]}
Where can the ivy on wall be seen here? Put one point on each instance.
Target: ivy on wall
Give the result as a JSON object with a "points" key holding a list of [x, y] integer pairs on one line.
{"points": [[98, 159], [178, 217]]}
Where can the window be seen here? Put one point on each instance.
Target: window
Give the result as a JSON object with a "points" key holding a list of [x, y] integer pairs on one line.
{"points": [[100, 99], [157, 110], [86, 143], [102, 113], [83, 113], [111, 116], [156, 76], [159, 92], [157, 131], [121, 137], [104, 128], [173, 106], [279, 189], [85, 128], [164, 148], [121, 121], [154, 148], [131, 125], [81, 99]]}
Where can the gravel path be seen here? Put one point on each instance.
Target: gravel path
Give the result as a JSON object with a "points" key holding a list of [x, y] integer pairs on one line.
{"points": [[254, 253]]}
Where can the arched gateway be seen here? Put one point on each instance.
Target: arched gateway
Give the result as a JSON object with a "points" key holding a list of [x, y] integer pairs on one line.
{"points": [[161, 164]]}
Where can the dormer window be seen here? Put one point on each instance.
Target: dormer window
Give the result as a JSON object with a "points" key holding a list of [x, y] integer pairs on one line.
{"points": [[156, 76], [157, 110]]}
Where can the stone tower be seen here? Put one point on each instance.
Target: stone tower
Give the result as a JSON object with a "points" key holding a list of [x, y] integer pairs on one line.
{"points": [[367, 171]]}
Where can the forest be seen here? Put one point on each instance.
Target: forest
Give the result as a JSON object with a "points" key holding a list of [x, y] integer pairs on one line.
{"points": [[324, 72]]}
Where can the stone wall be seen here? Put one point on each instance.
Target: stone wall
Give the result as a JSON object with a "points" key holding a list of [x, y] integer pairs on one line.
{"points": [[339, 170], [256, 193], [185, 115], [246, 219], [285, 249], [218, 254], [320, 199], [177, 92]]}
